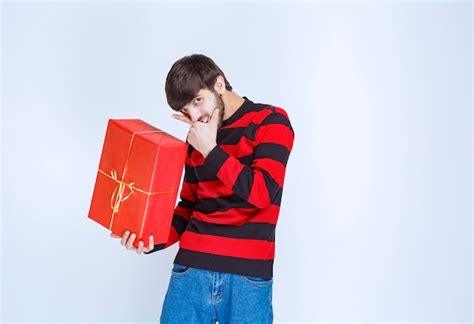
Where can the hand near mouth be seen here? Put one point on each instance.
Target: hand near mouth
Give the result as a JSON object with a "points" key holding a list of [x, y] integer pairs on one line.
{"points": [[202, 135]]}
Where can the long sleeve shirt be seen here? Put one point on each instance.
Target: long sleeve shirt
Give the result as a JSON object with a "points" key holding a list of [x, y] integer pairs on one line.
{"points": [[230, 200]]}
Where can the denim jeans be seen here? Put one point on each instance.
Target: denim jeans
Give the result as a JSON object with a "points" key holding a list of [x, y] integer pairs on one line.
{"points": [[202, 296]]}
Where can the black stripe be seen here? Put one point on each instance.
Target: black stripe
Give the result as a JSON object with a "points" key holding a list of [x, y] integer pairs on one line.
{"points": [[231, 136], [216, 158], [273, 151], [250, 230], [189, 175], [179, 223], [277, 199], [219, 204], [244, 183], [157, 247], [186, 203], [271, 184], [190, 148], [256, 107], [204, 174], [277, 118], [246, 159], [214, 262]]}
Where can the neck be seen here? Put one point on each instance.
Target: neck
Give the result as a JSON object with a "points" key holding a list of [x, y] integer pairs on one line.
{"points": [[232, 102]]}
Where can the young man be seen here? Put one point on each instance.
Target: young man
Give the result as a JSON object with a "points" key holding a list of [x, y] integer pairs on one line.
{"points": [[229, 202]]}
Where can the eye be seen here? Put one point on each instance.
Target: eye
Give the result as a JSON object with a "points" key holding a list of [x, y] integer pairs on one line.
{"points": [[197, 100]]}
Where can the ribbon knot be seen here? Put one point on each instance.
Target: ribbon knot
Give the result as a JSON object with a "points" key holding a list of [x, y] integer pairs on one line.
{"points": [[119, 190]]}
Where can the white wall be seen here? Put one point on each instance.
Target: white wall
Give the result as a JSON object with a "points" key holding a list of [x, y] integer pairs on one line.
{"points": [[375, 222]]}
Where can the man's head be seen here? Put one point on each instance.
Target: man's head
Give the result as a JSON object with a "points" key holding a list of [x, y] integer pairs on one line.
{"points": [[194, 86]]}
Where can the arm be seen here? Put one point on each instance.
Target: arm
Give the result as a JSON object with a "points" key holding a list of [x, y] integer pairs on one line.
{"points": [[261, 183], [184, 209]]}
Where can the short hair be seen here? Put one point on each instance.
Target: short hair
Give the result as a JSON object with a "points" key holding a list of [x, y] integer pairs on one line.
{"points": [[188, 75]]}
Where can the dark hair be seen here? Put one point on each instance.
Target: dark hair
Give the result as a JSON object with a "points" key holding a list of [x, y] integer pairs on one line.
{"points": [[188, 75]]}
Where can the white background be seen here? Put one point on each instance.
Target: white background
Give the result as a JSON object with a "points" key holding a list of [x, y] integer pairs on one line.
{"points": [[375, 223]]}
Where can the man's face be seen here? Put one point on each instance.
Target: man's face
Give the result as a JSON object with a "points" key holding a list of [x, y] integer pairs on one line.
{"points": [[202, 105]]}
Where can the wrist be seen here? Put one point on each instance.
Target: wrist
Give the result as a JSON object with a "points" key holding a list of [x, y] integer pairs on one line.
{"points": [[209, 149]]}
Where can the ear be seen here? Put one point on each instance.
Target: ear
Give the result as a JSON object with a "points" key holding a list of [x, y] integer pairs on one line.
{"points": [[219, 85]]}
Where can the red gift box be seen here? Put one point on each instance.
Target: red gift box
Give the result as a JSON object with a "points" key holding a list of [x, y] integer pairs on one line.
{"points": [[138, 179]]}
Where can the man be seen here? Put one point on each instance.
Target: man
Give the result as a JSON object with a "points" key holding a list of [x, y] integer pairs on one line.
{"points": [[229, 202]]}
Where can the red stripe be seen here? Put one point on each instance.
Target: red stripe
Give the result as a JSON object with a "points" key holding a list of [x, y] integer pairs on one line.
{"points": [[275, 168], [259, 192], [239, 216], [213, 189], [188, 191], [230, 170], [233, 247], [281, 134]]}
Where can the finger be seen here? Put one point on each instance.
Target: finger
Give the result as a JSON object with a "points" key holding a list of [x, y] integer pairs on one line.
{"points": [[125, 237], [130, 241], [151, 244], [183, 119], [141, 245], [114, 235]]}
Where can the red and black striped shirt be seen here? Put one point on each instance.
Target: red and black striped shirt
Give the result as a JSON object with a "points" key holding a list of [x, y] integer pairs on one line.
{"points": [[230, 201]]}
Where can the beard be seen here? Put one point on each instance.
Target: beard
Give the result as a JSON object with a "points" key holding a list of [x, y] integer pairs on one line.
{"points": [[221, 106]]}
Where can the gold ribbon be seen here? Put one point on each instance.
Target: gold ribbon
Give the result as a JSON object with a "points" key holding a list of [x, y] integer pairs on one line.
{"points": [[121, 185]]}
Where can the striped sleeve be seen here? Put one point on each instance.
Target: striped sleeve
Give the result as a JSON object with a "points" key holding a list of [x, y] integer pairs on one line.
{"points": [[261, 183], [184, 208]]}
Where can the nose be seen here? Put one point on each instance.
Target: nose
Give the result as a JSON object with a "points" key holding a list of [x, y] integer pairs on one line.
{"points": [[194, 114]]}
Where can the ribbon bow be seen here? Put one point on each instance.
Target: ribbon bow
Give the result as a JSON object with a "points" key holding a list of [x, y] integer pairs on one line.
{"points": [[121, 188]]}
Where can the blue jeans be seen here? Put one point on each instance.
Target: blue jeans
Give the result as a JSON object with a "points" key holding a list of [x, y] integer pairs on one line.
{"points": [[203, 296]]}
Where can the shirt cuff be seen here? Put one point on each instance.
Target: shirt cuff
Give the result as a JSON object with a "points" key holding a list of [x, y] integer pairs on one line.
{"points": [[215, 159]]}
